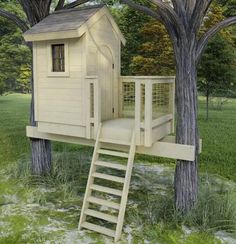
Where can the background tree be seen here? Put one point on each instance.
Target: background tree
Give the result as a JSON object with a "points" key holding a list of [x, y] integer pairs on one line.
{"points": [[217, 70], [130, 22], [217, 66], [34, 12], [13, 52], [155, 54], [183, 20]]}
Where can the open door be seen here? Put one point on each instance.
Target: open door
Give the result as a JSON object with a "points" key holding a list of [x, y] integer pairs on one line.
{"points": [[105, 77]]}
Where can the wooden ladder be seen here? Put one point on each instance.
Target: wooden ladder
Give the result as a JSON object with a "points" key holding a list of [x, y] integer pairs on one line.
{"points": [[120, 207]]}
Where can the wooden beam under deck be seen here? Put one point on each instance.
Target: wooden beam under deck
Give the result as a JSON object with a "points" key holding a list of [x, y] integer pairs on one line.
{"points": [[164, 148]]}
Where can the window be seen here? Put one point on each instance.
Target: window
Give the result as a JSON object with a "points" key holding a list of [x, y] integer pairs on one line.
{"points": [[58, 58]]}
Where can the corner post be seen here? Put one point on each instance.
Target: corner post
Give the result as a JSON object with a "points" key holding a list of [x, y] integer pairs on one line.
{"points": [[137, 111], [148, 114]]}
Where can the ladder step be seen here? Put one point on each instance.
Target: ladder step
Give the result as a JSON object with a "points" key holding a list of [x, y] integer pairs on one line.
{"points": [[103, 202], [113, 153], [98, 229], [111, 165], [101, 215], [106, 190], [113, 141], [109, 177]]}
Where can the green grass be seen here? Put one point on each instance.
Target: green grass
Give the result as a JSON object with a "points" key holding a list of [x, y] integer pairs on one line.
{"points": [[14, 116], [218, 134], [219, 140], [64, 190]]}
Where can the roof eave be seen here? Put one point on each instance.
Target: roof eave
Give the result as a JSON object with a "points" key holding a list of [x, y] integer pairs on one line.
{"points": [[46, 36]]}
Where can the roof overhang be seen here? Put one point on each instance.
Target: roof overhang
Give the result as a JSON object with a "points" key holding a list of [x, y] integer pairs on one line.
{"points": [[78, 32]]}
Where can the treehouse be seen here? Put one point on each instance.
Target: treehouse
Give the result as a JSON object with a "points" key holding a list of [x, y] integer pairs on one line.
{"points": [[80, 97]]}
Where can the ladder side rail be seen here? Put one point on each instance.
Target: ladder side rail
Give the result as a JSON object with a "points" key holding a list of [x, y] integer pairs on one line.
{"points": [[90, 178], [125, 191]]}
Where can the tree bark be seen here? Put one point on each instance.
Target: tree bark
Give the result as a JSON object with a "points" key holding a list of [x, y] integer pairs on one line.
{"points": [[186, 173], [41, 158], [207, 102]]}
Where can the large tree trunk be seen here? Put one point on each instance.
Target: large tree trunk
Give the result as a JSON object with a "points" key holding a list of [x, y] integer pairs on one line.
{"points": [[41, 157], [41, 161], [186, 175]]}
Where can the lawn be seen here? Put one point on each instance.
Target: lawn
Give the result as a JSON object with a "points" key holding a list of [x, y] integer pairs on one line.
{"points": [[38, 210]]}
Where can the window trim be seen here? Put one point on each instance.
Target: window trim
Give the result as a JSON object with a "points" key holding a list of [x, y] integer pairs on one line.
{"points": [[50, 59]]}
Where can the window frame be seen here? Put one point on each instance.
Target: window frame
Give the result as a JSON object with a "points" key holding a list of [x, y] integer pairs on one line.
{"points": [[52, 73]]}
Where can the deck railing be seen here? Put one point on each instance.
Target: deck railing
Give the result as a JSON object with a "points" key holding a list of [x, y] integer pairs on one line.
{"points": [[149, 100], [93, 105]]}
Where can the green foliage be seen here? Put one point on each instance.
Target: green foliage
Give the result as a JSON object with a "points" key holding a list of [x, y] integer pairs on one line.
{"points": [[148, 50], [217, 74], [23, 82], [14, 55], [130, 23], [155, 54], [229, 7]]}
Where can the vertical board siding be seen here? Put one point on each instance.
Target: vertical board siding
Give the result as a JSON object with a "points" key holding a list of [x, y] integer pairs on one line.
{"points": [[60, 99], [103, 34]]}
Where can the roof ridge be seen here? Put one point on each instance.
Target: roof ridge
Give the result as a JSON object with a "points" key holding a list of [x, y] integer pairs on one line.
{"points": [[80, 8]]}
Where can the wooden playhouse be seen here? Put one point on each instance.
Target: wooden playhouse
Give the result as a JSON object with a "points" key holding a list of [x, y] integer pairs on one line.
{"points": [[80, 97]]}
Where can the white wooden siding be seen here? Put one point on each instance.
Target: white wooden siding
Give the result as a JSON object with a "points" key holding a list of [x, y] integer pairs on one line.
{"points": [[60, 99], [103, 34]]}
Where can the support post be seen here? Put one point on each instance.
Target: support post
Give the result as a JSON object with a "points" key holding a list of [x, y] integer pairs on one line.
{"points": [[97, 106], [148, 114], [88, 107], [138, 111]]}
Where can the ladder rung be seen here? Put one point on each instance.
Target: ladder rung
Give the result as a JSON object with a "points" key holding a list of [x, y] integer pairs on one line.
{"points": [[113, 141], [103, 202], [99, 229], [113, 153], [109, 177], [111, 165], [101, 215], [106, 190]]}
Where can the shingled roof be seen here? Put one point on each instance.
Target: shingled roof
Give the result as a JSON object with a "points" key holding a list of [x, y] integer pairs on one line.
{"points": [[64, 20], [71, 23]]}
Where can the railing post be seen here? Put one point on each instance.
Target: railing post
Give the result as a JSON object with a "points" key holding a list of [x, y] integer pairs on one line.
{"points": [[97, 106], [148, 114], [138, 111], [88, 107]]}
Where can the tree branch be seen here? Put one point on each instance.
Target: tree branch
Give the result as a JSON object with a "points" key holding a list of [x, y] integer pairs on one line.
{"points": [[211, 32], [15, 19], [199, 13], [60, 5], [75, 4], [169, 15], [142, 9]]}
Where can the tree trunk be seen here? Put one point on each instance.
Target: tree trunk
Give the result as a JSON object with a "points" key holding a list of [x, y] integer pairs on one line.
{"points": [[207, 103], [41, 157], [41, 162], [186, 174]]}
